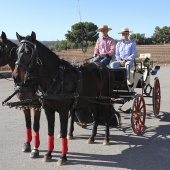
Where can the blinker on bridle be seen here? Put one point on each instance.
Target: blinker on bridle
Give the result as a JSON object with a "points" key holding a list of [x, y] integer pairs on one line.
{"points": [[33, 54]]}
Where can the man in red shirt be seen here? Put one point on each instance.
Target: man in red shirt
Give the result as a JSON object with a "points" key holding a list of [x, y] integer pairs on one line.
{"points": [[105, 47]]}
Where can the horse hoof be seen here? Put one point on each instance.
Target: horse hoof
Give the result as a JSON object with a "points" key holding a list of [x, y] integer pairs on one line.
{"points": [[26, 147], [47, 158], [34, 153], [90, 141], [59, 135], [62, 162], [69, 137], [106, 142]]}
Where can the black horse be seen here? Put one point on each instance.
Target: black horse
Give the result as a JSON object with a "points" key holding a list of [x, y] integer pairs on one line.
{"points": [[64, 88], [8, 56]]}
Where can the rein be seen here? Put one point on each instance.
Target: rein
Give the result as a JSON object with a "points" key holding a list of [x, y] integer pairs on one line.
{"points": [[76, 96]]}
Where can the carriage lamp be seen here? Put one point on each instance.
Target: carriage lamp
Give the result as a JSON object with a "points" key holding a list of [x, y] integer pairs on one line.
{"points": [[147, 62]]}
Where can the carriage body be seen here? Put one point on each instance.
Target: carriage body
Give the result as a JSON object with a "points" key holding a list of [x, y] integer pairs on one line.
{"points": [[124, 89]]}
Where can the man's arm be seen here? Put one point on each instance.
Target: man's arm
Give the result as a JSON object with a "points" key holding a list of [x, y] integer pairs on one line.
{"points": [[133, 54], [111, 52], [117, 54], [96, 49]]}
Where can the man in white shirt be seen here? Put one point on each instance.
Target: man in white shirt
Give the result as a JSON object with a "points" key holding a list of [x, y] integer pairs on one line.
{"points": [[125, 52]]}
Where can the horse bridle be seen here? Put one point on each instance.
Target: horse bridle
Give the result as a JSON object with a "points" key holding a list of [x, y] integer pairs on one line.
{"points": [[34, 56]]}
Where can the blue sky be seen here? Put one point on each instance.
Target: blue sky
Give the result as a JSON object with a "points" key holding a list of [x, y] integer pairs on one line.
{"points": [[51, 19]]}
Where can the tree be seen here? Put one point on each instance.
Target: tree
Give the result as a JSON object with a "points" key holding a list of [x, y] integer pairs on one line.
{"points": [[62, 45], [82, 31], [161, 35], [138, 38]]}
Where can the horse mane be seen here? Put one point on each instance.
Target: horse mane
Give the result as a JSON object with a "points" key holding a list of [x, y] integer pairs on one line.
{"points": [[49, 57], [12, 43]]}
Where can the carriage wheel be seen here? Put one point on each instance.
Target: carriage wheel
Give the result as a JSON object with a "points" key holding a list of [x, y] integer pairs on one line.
{"points": [[156, 97], [138, 114]]}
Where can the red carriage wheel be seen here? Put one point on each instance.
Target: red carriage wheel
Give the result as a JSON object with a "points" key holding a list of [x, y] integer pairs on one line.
{"points": [[138, 114], [156, 97]]}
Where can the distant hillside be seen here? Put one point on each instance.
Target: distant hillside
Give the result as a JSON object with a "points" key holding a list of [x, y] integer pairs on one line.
{"points": [[160, 53], [49, 43], [46, 43], [15, 41]]}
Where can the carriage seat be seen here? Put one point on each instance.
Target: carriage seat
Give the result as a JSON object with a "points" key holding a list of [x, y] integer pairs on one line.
{"points": [[130, 77], [143, 63], [144, 56]]}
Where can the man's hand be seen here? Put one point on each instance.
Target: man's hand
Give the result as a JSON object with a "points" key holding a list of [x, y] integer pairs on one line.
{"points": [[122, 62], [102, 55]]}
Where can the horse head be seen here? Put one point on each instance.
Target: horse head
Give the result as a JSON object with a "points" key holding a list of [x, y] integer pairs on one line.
{"points": [[26, 58], [7, 51]]}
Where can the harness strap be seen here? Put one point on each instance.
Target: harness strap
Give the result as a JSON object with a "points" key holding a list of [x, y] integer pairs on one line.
{"points": [[26, 41], [78, 88], [73, 95]]}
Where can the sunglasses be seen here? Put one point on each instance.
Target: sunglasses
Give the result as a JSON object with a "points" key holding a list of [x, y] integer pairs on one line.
{"points": [[104, 29], [125, 33]]}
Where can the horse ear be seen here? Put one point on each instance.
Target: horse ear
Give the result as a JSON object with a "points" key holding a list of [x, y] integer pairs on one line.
{"points": [[19, 37], [3, 37], [33, 36]]}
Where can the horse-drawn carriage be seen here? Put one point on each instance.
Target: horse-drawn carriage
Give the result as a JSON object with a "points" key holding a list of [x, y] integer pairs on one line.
{"points": [[138, 77], [66, 88]]}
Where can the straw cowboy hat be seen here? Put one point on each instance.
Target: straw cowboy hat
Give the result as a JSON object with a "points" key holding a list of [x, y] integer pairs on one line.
{"points": [[124, 30], [104, 27]]}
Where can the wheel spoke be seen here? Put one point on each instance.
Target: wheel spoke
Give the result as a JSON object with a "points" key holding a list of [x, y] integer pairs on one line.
{"points": [[141, 121], [140, 101], [136, 107], [141, 107]]}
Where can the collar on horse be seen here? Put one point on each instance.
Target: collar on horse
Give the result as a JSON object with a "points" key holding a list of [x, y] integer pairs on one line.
{"points": [[61, 94]]}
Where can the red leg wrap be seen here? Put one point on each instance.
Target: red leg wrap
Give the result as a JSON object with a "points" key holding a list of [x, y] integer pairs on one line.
{"points": [[50, 143], [28, 135], [36, 139], [64, 145]]}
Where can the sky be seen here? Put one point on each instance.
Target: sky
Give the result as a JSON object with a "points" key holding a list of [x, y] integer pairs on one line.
{"points": [[52, 19]]}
